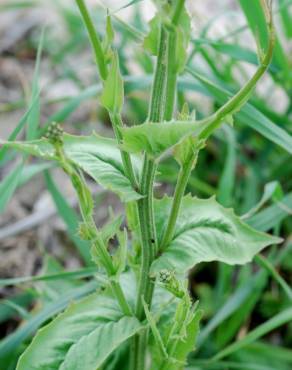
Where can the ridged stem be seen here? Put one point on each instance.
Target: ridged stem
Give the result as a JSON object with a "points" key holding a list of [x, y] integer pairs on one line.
{"points": [[145, 205]]}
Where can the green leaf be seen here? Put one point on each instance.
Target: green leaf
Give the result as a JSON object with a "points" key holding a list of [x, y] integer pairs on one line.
{"points": [[156, 138], [187, 344], [97, 156], [184, 150], [112, 97], [10, 343], [73, 339], [183, 31], [205, 232], [151, 40]]}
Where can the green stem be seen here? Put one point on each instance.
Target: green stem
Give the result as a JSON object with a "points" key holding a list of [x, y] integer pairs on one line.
{"points": [[95, 41], [86, 207], [177, 12], [102, 68], [117, 123], [171, 75], [145, 205], [183, 178], [118, 292], [239, 99], [107, 262]]}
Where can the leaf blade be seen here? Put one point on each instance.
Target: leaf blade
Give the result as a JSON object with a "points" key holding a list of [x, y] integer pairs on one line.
{"points": [[206, 232]]}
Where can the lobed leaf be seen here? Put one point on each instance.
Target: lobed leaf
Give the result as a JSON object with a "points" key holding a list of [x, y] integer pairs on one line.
{"points": [[206, 232]]}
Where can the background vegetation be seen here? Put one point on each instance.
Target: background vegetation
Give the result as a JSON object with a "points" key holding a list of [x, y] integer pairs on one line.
{"points": [[47, 74]]}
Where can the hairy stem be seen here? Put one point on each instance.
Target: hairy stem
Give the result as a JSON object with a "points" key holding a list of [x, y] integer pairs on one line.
{"points": [[86, 208], [171, 81], [145, 205], [117, 122]]}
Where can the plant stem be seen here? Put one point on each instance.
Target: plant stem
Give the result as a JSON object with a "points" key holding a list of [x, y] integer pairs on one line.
{"points": [[107, 262], [183, 178], [145, 205], [171, 80], [116, 119], [86, 207], [177, 12], [117, 122], [118, 292], [95, 41]]}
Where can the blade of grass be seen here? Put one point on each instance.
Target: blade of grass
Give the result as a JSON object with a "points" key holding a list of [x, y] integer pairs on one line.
{"points": [[280, 319], [267, 350], [9, 184], [33, 118], [272, 215], [234, 302], [266, 264], [18, 128], [248, 115], [269, 190], [256, 21], [21, 299], [286, 18], [229, 365], [69, 216], [77, 274], [227, 180]]}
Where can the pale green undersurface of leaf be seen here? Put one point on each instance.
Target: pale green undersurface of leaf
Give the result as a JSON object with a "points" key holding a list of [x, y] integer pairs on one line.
{"points": [[205, 232], [97, 156], [73, 339]]}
